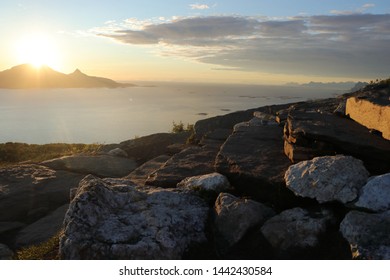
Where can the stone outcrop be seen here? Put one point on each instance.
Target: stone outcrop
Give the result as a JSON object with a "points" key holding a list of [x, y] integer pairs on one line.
{"points": [[296, 229], [372, 112], [328, 178], [375, 195], [113, 219], [368, 234], [311, 134], [100, 165], [234, 217]]}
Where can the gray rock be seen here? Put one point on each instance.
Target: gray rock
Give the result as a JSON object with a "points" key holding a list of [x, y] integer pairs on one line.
{"points": [[296, 228], [329, 178], [235, 216], [5, 252], [10, 226], [101, 165], [114, 219], [42, 229], [190, 162], [213, 182], [117, 152], [375, 195], [29, 192], [368, 234]]}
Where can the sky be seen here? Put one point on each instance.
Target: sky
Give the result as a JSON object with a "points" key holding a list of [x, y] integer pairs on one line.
{"points": [[246, 41]]}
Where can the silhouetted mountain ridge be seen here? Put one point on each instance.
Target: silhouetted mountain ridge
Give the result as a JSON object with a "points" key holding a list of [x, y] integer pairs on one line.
{"points": [[27, 76]]}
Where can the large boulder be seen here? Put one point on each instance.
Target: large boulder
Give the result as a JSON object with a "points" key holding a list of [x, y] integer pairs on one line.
{"points": [[375, 195], [328, 178], [100, 165], [190, 162], [234, 217], [29, 192], [312, 134], [296, 229], [114, 219], [42, 229], [252, 158], [368, 234]]}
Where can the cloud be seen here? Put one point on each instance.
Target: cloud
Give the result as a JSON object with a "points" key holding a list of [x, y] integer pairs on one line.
{"points": [[199, 6], [359, 10], [347, 45]]}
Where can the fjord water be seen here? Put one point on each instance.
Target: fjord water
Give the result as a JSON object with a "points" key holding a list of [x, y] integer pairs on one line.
{"points": [[42, 116]]}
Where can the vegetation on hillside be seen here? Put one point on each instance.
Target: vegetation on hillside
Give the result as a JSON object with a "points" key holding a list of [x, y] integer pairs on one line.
{"points": [[11, 153], [47, 250]]}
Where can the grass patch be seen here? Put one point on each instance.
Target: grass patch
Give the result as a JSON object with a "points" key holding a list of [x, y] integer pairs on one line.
{"points": [[47, 250], [12, 153], [180, 127]]}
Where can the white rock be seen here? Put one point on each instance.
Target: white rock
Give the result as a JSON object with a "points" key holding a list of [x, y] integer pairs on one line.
{"points": [[375, 195], [328, 178], [213, 182]]}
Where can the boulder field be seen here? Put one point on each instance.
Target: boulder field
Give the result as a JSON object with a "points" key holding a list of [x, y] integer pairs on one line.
{"points": [[293, 181]]}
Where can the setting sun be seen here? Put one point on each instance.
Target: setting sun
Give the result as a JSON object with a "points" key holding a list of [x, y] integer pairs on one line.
{"points": [[38, 50]]}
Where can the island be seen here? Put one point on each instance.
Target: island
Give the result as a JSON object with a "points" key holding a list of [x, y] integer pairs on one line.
{"points": [[27, 76]]}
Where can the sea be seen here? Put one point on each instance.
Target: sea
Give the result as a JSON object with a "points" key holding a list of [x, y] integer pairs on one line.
{"points": [[104, 116]]}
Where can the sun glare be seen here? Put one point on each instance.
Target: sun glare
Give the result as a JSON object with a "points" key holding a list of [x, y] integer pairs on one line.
{"points": [[38, 50]]}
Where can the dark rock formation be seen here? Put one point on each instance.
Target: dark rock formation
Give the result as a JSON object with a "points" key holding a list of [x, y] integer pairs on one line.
{"points": [[309, 134], [42, 229], [368, 234], [113, 219], [296, 230], [234, 217]]}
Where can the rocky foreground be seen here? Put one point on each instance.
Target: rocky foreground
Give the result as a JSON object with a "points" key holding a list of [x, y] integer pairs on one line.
{"points": [[295, 181]]}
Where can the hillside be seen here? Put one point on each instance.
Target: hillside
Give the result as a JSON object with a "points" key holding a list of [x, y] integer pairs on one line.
{"points": [[27, 76]]}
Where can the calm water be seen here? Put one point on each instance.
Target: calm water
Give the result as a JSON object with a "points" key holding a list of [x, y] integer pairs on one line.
{"points": [[114, 115]]}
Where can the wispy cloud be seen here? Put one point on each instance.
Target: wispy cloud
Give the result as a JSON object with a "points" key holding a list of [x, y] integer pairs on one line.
{"points": [[199, 6], [359, 10], [355, 44]]}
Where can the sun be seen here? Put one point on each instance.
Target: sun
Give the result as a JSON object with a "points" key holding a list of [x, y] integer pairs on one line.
{"points": [[38, 50]]}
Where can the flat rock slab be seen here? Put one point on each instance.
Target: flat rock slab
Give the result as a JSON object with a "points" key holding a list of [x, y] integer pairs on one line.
{"points": [[29, 192], [329, 178], [142, 173], [375, 195], [101, 165], [368, 234], [190, 162], [253, 160], [43, 229], [114, 219], [332, 134]]}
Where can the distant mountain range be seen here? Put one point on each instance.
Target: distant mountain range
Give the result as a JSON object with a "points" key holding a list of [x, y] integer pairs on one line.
{"points": [[347, 86], [26, 76]]}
